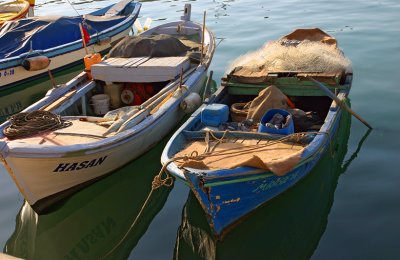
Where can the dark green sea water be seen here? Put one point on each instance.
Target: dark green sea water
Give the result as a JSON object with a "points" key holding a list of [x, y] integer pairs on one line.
{"points": [[348, 208]]}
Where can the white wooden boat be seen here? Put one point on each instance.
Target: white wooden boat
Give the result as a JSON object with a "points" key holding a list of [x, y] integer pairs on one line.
{"points": [[14, 10], [48, 164]]}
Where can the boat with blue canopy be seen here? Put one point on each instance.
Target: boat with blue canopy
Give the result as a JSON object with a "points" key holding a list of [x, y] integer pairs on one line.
{"points": [[264, 129], [32, 46]]}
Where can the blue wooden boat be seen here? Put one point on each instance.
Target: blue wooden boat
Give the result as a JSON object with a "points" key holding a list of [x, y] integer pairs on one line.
{"points": [[272, 228], [227, 191], [28, 45]]}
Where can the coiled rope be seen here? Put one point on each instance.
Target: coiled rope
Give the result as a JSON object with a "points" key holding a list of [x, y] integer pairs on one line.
{"points": [[27, 124]]}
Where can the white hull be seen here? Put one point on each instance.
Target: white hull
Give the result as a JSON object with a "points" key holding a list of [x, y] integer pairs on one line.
{"points": [[41, 171], [32, 175]]}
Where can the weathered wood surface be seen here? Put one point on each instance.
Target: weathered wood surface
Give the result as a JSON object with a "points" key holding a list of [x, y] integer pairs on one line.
{"points": [[141, 69]]}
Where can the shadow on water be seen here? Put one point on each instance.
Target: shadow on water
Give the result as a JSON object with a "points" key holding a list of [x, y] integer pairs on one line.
{"points": [[288, 227], [89, 224], [17, 98]]}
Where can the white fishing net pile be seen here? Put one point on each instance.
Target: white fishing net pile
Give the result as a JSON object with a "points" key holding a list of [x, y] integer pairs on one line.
{"points": [[305, 57]]}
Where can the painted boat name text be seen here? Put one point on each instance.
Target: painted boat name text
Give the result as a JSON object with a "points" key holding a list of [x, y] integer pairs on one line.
{"points": [[66, 167], [267, 185]]}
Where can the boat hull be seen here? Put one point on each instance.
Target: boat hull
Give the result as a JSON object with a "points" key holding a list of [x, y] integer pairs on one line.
{"points": [[227, 204], [12, 74], [229, 195], [33, 173], [74, 218], [16, 75], [45, 172]]}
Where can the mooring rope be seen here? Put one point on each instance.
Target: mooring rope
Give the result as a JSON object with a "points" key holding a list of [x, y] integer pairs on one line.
{"points": [[27, 124], [163, 178]]}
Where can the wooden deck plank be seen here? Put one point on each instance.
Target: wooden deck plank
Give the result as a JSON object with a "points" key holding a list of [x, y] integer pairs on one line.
{"points": [[133, 61]]}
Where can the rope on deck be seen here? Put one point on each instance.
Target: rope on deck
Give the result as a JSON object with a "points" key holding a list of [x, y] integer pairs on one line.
{"points": [[27, 124]]}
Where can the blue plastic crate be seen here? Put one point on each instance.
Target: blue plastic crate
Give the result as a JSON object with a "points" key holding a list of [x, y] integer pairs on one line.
{"points": [[268, 116], [215, 114]]}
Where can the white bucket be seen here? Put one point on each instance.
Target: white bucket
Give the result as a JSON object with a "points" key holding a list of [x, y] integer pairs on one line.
{"points": [[101, 104]]}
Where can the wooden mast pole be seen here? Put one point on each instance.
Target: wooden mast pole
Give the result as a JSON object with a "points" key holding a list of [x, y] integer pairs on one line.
{"points": [[202, 38]]}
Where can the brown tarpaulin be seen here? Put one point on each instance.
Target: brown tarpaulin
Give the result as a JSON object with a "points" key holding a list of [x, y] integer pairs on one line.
{"points": [[314, 35], [278, 158], [268, 98]]}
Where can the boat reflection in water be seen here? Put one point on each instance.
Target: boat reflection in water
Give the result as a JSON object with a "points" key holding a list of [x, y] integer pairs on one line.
{"points": [[288, 227], [16, 99], [93, 223]]}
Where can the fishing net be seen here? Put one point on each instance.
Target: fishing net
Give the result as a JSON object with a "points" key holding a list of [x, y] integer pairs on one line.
{"points": [[305, 56], [303, 50]]}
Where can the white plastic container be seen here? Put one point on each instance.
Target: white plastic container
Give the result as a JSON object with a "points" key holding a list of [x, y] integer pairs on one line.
{"points": [[101, 104], [114, 91], [190, 103]]}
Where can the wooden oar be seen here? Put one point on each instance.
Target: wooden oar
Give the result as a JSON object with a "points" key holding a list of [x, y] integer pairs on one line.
{"points": [[155, 109], [60, 101], [339, 102], [142, 114], [172, 85], [123, 123]]}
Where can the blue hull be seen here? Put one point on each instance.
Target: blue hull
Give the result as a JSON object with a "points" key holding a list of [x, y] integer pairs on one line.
{"points": [[226, 200], [271, 229], [229, 195]]}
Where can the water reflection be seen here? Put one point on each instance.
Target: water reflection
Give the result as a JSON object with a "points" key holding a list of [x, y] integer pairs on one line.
{"points": [[288, 227], [16, 99], [91, 223]]}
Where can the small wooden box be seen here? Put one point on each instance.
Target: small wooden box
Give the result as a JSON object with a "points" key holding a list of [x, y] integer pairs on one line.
{"points": [[141, 69]]}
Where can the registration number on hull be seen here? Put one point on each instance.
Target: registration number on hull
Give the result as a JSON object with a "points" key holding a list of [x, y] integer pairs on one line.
{"points": [[6, 73]]}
